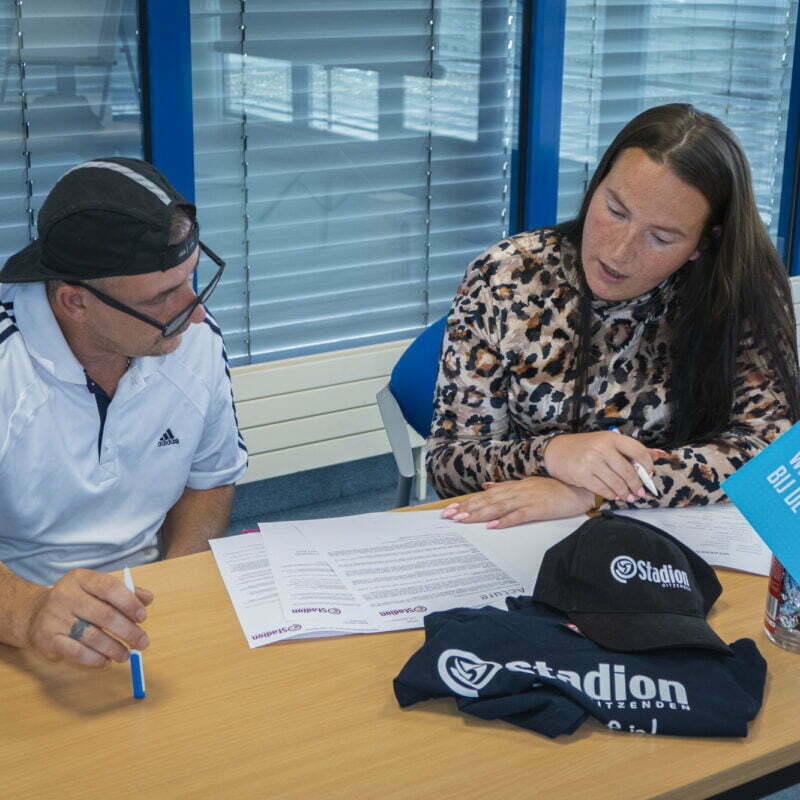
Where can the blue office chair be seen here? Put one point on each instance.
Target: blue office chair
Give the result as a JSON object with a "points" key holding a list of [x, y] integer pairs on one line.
{"points": [[408, 398]]}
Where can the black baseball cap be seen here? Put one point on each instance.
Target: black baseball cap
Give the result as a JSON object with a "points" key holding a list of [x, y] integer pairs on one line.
{"points": [[105, 217], [630, 586]]}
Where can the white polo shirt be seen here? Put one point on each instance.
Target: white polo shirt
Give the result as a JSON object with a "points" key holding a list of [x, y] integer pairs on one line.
{"points": [[66, 503]]}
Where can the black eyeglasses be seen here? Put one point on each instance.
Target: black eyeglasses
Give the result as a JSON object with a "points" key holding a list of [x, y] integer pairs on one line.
{"points": [[174, 325]]}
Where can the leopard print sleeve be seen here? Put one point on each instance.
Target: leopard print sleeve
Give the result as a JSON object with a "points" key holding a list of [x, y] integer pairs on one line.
{"points": [[693, 475], [474, 438]]}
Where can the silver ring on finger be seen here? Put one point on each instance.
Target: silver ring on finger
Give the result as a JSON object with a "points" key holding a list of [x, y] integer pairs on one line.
{"points": [[77, 629]]}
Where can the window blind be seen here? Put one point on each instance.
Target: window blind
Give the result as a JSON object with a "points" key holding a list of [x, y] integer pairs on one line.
{"points": [[69, 92], [731, 59], [351, 157]]}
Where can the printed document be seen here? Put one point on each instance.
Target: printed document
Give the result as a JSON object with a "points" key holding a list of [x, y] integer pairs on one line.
{"points": [[374, 572], [309, 588], [402, 567], [245, 569], [717, 532]]}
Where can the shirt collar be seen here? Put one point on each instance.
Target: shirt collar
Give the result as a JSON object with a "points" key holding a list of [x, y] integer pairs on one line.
{"points": [[42, 334], [46, 342], [652, 303]]}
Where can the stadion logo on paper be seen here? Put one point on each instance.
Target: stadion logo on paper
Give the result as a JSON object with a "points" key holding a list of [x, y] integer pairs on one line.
{"points": [[315, 610], [393, 612], [276, 631]]}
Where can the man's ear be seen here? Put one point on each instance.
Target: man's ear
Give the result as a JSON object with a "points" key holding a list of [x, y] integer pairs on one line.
{"points": [[71, 301]]}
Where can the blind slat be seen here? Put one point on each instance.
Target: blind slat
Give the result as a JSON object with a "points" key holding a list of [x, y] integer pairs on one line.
{"points": [[730, 59], [81, 92], [344, 157]]}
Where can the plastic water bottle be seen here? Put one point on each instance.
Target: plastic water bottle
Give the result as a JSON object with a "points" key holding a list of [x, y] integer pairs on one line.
{"points": [[782, 620]]}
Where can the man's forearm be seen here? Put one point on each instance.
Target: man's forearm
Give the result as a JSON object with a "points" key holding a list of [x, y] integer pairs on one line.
{"points": [[199, 515]]}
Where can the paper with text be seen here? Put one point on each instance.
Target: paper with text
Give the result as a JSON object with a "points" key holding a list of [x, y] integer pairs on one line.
{"points": [[243, 563], [402, 570], [380, 572], [309, 588], [718, 532]]}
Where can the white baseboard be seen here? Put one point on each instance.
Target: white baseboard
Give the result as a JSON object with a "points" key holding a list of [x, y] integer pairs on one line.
{"points": [[314, 411]]}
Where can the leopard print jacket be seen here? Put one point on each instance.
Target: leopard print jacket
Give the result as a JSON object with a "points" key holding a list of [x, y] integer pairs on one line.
{"points": [[508, 368]]}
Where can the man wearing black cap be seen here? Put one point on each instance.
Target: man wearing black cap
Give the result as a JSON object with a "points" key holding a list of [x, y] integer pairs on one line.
{"points": [[117, 425]]}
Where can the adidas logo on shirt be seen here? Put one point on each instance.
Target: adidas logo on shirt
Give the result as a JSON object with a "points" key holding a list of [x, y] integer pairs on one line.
{"points": [[168, 437]]}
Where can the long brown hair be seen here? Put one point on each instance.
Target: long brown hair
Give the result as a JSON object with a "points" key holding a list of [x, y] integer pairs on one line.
{"points": [[737, 287]]}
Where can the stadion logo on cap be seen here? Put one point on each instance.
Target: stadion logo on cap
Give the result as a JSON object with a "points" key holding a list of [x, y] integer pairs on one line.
{"points": [[624, 568]]}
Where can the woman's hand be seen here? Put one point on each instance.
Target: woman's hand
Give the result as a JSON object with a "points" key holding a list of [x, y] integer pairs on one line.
{"points": [[528, 500], [600, 462]]}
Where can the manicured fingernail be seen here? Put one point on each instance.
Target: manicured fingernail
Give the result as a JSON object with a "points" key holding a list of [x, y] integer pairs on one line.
{"points": [[141, 615], [449, 511], [493, 524], [640, 492], [143, 641], [460, 517], [631, 498]]}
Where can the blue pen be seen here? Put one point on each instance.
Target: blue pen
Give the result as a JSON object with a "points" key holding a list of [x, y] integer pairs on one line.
{"points": [[640, 470], [137, 665]]}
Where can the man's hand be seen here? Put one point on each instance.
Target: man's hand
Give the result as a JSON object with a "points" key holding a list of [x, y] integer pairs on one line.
{"points": [[528, 500], [600, 462], [103, 601]]}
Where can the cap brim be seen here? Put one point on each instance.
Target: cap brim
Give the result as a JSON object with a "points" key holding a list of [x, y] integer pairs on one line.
{"points": [[26, 266], [642, 631]]}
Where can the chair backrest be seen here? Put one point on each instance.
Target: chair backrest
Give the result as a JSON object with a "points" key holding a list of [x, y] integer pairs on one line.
{"points": [[413, 378]]}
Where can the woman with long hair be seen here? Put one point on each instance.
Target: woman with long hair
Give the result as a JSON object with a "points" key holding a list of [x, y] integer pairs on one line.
{"points": [[662, 312]]}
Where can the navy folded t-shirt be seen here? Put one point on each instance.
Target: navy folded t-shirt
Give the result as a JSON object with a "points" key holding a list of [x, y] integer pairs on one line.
{"points": [[531, 667]]}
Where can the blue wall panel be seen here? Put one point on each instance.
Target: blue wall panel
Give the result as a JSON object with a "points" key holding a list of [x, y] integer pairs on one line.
{"points": [[167, 71], [789, 220], [542, 112]]}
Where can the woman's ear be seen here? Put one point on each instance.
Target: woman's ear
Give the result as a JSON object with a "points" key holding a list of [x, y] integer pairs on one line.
{"points": [[715, 233]]}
